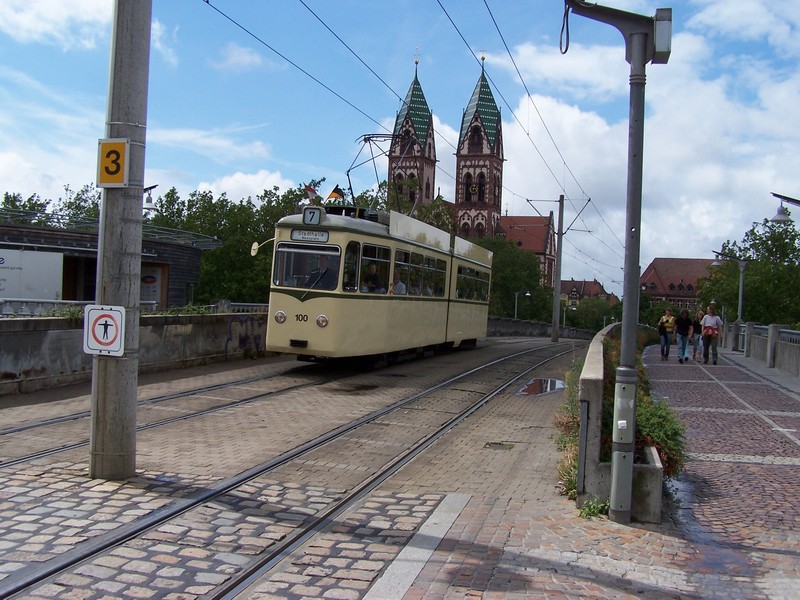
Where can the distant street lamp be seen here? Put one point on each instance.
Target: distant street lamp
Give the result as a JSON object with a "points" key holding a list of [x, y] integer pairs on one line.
{"points": [[516, 298], [566, 306], [782, 216], [742, 266]]}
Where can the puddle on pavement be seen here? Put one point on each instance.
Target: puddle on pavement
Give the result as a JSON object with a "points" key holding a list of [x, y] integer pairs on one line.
{"points": [[537, 386]]}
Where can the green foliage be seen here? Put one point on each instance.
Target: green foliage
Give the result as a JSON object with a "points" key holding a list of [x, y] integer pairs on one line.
{"points": [[32, 204], [78, 207], [72, 312], [593, 314], [771, 276], [594, 508], [656, 425], [516, 270]]}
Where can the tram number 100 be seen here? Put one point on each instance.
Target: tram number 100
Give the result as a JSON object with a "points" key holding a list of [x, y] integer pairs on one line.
{"points": [[301, 318]]}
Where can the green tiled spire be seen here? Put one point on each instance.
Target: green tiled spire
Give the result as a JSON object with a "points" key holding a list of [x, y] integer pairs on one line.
{"points": [[482, 102], [416, 108]]}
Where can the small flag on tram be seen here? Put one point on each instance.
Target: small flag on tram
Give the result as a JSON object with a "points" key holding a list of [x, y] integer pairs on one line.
{"points": [[336, 194], [311, 193]]}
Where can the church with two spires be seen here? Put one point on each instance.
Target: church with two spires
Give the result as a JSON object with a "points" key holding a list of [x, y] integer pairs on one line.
{"points": [[479, 172]]}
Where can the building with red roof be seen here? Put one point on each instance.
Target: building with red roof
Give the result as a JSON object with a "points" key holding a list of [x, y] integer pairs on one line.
{"points": [[674, 280]]}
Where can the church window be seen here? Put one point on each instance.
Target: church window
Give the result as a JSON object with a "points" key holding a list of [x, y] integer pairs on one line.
{"points": [[475, 145], [469, 188], [481, 187], [480, 230]]}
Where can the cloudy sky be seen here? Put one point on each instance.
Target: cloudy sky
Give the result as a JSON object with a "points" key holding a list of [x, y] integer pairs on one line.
{"points": [[245, 95]]}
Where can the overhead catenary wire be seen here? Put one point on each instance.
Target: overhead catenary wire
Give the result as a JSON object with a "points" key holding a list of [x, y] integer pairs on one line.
{"points": [[372, 71]]}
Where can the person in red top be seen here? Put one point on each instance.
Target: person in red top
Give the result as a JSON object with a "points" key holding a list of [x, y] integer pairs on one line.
{"points": [[712, 332]]}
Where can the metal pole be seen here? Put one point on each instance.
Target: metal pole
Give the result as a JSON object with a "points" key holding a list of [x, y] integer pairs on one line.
{"points": [[557, 282], [624, 424], [119, 257], [644, 41], [742, 265], [516, 297]]}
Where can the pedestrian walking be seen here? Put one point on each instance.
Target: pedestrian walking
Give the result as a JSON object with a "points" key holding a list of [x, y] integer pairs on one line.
{"points": [[712, 332], [697, 336], [683, 333], [666, 330]]}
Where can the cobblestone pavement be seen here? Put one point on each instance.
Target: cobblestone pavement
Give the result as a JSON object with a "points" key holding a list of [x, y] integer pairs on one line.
{"points": [[479, 517], [730, 526]]}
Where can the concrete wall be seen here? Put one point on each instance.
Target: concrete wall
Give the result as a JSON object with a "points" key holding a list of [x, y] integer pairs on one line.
{"points": [[594, 476], [512, 327], [39, 353], [48, 352]]}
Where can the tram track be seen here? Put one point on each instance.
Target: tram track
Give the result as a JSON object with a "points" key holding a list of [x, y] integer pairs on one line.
{"points": [[443, 405], [217, 404]]}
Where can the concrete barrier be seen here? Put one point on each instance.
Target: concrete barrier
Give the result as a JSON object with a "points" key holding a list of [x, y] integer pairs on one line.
{"points": [[40, 353], [594, 476], [43, 353]]}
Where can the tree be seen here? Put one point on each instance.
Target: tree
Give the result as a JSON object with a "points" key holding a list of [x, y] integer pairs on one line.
{"points": [[76, 209], [32, 210], [771, 276], [516, 270]]}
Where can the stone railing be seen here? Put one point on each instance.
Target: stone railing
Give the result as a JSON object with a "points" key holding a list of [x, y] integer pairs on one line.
{"points": [[777, 346]]}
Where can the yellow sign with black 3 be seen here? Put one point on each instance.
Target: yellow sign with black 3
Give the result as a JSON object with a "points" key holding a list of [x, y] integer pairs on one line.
{"points": [[112, 162]]}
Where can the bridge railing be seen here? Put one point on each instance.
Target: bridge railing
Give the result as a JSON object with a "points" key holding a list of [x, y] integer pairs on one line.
{"points": [[775, 345]]}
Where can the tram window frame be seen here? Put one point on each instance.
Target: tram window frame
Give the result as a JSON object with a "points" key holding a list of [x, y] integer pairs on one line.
{"points": [[440, 278], [472, 284], [402, 266], [381, 256], [350, 266], [295, 262], [428, 276], [416, 276]]}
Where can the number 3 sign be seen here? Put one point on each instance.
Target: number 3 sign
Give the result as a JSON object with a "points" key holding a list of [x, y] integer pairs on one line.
{"points": [[112, 163]]}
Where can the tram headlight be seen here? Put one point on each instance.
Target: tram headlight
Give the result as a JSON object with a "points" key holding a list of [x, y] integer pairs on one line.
{"points": [[322, 321], [280, 317]]}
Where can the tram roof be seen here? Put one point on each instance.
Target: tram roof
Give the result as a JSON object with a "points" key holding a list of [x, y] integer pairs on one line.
{"points": [[395, 225]]}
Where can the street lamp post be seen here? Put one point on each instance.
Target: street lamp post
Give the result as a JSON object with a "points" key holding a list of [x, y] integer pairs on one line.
{"points": [[646, 39], [739, 319], [516, 298]]}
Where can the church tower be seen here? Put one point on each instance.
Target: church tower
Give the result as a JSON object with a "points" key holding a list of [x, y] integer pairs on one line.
{"points": [[412, 153], [479, 165]]}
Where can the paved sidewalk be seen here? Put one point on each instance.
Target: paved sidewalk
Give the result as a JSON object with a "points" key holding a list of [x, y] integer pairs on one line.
{"points": [[731, 526]]}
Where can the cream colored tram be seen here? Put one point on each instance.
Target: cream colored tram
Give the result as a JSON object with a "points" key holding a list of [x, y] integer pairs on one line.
{"points": [[346, 283]]}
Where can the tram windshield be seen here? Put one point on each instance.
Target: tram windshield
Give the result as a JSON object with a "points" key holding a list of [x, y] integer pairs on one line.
{"points": [[307, 266]]}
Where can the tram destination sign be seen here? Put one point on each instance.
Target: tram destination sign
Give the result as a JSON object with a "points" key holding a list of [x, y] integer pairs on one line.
{"points": [[304, 235]]}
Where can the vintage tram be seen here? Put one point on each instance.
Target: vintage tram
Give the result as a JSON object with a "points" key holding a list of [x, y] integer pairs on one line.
{"points": [[349, 282]]}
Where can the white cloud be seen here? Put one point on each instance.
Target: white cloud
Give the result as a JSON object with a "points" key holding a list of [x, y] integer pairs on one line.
{"points": [[593, 72], [220, 146], [240, 185], [73, 24], [238, 59], [159, 41]]}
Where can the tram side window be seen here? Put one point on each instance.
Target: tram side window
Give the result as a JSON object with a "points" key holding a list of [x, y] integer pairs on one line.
{"points": [[472, 284], [402, 272], [375, 261], [428, 276], [351, 254], [440, 278], [306, 266], [416, 274], [465, 283]]}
